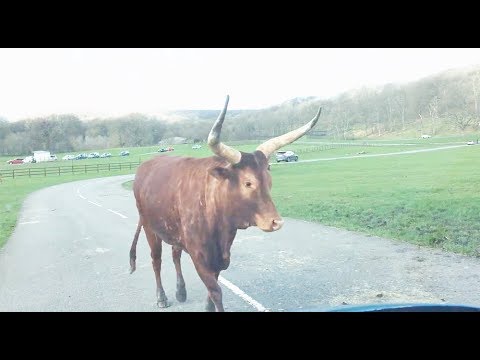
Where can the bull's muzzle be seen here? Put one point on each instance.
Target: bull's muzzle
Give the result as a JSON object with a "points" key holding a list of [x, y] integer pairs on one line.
{"points": [[277, 224], [269, 223]]}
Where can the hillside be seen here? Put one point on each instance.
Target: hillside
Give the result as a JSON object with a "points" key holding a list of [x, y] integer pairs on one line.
{"points": [[446, 103]]}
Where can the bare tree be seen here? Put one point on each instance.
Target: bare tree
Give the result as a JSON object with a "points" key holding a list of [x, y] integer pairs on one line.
{"points": [[401, 105], [377, 110], [461, 120], [345, 124], [433, 110], [476, 92], [389, 95], [421, 123], [390, 110]]}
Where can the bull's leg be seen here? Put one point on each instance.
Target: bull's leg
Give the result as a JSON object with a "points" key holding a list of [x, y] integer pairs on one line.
{"points": [[156, 253], [210, 306], [209, 278], [181, 293]]}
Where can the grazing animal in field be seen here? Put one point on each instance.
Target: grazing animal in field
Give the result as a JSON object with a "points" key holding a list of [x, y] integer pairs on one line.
{"points": [[198, 204]]}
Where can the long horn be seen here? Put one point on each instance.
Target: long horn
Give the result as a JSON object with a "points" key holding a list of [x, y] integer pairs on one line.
{"points": [[272, 145], [233, 156]]}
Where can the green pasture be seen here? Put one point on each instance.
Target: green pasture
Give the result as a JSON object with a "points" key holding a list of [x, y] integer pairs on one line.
{"points": [[440, 139], [430, 198], [305, 151]]}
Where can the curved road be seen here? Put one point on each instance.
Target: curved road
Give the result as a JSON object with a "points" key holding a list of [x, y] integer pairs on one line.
{"points": [[70, 249]]}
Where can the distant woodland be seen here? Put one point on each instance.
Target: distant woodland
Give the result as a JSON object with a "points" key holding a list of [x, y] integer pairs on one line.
{"points": [[441, 104]]}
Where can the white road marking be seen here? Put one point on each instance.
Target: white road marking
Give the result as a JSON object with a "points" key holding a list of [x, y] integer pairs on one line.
{"points": [[94, 203], [29, 222], [237, 291], [80, 195], [372, 155], [101, 250], [113, 211]]}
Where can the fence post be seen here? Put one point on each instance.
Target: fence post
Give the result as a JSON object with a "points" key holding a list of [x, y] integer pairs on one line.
{"points": [[59, 171], [97, 168], [85, 168], [45, 171], [13, 173], [29, 172], [108, 166]]}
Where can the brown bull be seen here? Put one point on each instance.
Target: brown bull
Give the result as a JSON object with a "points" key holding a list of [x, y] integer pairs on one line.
{"points": [[197, 206]]}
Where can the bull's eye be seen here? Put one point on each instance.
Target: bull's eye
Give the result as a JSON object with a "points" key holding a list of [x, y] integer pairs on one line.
{"points": [[248, 184]]}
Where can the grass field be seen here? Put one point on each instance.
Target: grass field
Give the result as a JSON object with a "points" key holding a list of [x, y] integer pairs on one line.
{"points": [[428, 199], [458, 139]]}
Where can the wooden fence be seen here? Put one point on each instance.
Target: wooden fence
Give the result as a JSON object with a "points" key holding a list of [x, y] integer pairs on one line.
{"points": [[62, 170], [89, 168]]}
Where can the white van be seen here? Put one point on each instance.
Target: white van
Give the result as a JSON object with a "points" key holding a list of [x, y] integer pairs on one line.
{"points": [[29, 159]]}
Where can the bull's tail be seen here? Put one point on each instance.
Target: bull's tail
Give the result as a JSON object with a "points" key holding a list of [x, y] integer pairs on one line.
{"points": [[133, 248]]}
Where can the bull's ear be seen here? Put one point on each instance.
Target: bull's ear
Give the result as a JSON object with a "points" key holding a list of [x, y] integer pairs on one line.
{"points": [[220, 173]]}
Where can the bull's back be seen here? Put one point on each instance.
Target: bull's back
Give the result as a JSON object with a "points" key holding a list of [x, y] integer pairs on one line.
{"points": [[152, 172], [163, 174]]}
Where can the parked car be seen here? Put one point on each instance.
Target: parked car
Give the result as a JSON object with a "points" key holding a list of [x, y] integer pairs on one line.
{"points": [[124, 153], [166, 149], [15, 161], [286, 156], [53, 158], [196, 146], [81, 156], [425, 136], [470, 143], [68, 157], [105, 155], [93, 155]]}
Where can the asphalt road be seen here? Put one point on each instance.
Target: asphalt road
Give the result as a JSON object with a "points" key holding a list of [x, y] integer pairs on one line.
{"points": [[70, 252]]}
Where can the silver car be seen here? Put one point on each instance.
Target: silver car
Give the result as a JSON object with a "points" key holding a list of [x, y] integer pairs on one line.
{"points": [[286, 156]]}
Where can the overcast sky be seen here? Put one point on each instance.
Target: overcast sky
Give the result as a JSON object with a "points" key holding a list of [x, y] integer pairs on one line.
{"points": [[108, 82]]}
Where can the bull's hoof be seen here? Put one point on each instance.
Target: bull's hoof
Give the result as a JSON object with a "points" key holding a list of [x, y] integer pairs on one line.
{"points": [[132, 264], [210, 307], [181, 295], [163, 303]]}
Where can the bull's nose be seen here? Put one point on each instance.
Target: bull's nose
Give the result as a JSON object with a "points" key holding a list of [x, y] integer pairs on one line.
{"points": [[277, 224]]}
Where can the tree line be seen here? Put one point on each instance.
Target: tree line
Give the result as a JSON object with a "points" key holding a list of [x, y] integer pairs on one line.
{"points": [[445, 103], [449, 101]]}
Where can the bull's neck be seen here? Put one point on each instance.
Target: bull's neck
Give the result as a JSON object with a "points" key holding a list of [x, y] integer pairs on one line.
{"points": [[219, 203]]}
